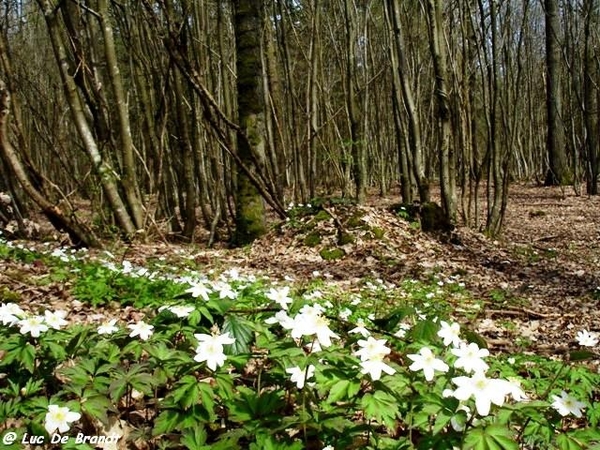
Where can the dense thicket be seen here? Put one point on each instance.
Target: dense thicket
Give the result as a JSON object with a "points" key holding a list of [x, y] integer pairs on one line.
{"points": [[182, 112]]}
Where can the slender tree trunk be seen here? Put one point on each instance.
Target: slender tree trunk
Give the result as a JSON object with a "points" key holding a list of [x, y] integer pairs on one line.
{"points": [[437, 44], [558, 171], [129, 179], [495, 166], [590, 97], [80, 234], [402, 84], [103, 169], [357, 144], [312, 99]]}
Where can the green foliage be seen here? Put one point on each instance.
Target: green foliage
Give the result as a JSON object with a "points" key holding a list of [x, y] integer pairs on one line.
{"points": [[163, 385], [493, 437], [99, 285]]}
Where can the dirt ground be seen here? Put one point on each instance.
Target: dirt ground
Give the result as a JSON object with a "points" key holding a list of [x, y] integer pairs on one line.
{"points": [[541, 276]]}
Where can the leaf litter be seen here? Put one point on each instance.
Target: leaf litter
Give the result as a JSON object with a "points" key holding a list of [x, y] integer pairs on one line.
{"points": [[539, 282]]}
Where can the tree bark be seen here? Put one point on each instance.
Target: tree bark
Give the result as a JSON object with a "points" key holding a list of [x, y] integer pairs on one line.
{"points": [[558, 172], [102, 168], [357, 144], [590, 97], [129, 179], [250, 208], [401, 83], [437, 44]]}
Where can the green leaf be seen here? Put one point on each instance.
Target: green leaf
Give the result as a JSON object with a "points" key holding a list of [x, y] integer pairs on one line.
{"points": [[166, 422], [117, 389], [338, 391], [143, 382], [204, 312], [195, 440], [77, 341], [57, 351], [98, 407], [472, 336], [72, 445], [224, 386], [266, 441], [390, 322], [342, 390], [581, 355], [381, 406], [241, 330], [493, 437], [207, 398], [568, 442], [159, 351], [229, 440], [187, 391], [107, 351], [442, 419], [424, 331], [27, 357]]}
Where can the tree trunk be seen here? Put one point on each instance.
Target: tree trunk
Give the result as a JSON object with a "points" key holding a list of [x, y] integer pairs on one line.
{"points": [[250, 208], [402, 86], [104, 171], [129, 180], [558, 171], [437, 44], [356, 133], [80, 234], [590, 98]]}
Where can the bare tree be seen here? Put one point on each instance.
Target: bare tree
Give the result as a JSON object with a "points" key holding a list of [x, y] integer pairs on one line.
{"points": [[591, 92], [357, 144], [558, 172], [65, 221], [447, 159], [403, 95]]}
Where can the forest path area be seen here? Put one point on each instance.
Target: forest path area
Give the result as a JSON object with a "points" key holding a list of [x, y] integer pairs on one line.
{"points": [[538, 284]]}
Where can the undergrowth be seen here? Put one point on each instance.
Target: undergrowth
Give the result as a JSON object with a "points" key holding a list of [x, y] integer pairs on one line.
{"points": [[232, 360]]}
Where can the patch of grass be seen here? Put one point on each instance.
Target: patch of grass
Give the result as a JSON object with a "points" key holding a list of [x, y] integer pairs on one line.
{"points": [[99, 285], [355, 221], [508, 325]]}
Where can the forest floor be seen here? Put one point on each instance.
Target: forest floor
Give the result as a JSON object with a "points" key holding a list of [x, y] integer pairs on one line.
{"points": [[539, 282]]}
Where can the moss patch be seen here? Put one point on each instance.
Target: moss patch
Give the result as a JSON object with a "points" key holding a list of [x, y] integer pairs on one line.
{"points": [[312, 239], [378, 233], [8, 296], [321, 216], [355, 221], [346, 238], [329, 254]]}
